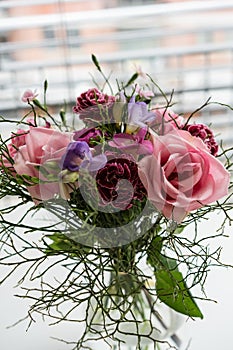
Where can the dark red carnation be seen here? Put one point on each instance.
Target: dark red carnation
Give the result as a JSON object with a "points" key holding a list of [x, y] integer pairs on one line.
{"points": [[88, 106], [204, 132], [119, 184]]}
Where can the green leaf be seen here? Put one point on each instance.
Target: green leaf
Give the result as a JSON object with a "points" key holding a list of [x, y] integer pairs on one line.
{"points": [[63, 116], [27, 180], [61, 243], [60, 246], [170, 285], [154, 251], [172, 289], [179, 229]]}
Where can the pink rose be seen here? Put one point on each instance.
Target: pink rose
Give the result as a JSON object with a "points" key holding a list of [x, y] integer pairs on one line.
{"points": [[165, 120], [17, 140], [42, 145], [181, 175]]}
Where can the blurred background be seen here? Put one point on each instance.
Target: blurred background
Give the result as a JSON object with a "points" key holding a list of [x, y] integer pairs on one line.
{"points": [[184, 45]]}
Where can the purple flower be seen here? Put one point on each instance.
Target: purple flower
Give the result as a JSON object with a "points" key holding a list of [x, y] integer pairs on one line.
{"points": [[134, 144], [75, 154], [203, 132], [119, 184], [78, 155], [138, 113]]}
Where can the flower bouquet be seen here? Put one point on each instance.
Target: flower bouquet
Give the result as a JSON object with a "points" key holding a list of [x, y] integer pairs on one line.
{"points": [[106, 194]]}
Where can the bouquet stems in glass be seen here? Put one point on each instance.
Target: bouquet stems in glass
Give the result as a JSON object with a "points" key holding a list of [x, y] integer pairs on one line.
{"points": [[115, 204]]}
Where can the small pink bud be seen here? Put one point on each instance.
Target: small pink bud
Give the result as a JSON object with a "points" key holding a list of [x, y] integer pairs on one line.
{"points": [[146, 94], [139, 71], [29, 95]]}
